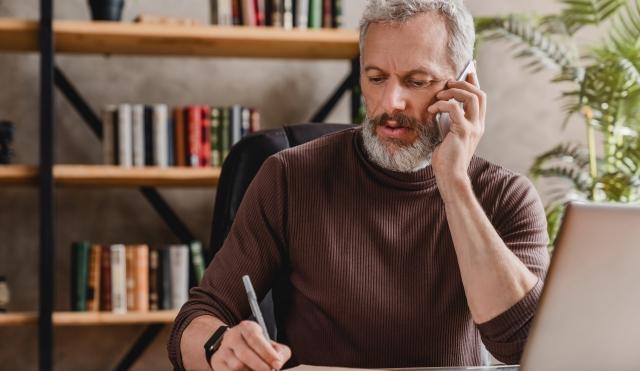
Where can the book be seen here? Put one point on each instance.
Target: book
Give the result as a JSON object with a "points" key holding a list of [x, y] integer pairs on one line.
{"points": [[287, 14], [108, 116], [149, 151], [118, 279], [179, 275], [179, 137], [205, 136], [246, 121], [327, 14], [249, 13], [216, 152], [302, 14], [225, 129], [165, 278], [315, 13], [255, 121], [79, 275], [337, 13], [130, 267], [105, 279], [93, 283], [197, 262], [260, 12], [125, 142], [154, 279], [141, 277], [236, 12], [160, 135], [194, 131], [276, 13], [137, 122], [236, 124]]}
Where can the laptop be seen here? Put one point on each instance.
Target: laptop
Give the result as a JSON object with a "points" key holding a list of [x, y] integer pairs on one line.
{"points": [[588, 317]]}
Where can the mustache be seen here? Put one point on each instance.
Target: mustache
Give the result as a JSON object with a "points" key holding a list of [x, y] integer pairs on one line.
{"points": [[403, 120]]}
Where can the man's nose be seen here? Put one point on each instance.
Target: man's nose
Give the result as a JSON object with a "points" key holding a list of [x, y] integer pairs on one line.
{"points": [[394, 98]]}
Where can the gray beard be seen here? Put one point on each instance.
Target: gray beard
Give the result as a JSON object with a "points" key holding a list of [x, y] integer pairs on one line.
{"points": [[396, 156]]}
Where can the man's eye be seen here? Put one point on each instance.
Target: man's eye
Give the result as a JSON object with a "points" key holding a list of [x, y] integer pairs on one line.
{"points": [[376, 80], [418, 83]]}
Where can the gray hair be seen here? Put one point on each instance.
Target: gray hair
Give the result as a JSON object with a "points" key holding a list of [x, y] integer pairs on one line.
{"points": [[459, 23]]}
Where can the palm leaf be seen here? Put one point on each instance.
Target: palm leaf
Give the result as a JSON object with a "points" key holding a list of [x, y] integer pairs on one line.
{"points": [[569, 153], [579, 13], [625, 28], [579, 179]]}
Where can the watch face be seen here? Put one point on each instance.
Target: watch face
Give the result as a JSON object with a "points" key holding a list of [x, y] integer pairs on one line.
{"points": [[214, 342]]}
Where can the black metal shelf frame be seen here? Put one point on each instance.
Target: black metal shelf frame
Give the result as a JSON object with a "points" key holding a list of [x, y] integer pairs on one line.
{"points": [[51, 76]]}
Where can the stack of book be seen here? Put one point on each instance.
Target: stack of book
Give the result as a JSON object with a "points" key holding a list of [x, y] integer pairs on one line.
{"points": [[278, 13], [133, 278], [194, 136]]}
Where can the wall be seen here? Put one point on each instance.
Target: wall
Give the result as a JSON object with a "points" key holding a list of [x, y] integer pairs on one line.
{"points": [[523, 119]]}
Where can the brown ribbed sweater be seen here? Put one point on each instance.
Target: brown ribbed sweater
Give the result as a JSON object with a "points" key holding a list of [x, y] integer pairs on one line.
{"points": [[362, 262]]}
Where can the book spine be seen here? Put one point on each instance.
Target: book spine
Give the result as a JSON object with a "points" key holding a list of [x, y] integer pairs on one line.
{"points": [[337, 13], [226, 18], [79, 267], [246, 121], [118, 279], [179, 257], [236, 124], [137, 122], [165, 278], [130, 261], [327, 14], [105, 279], [107, 114], [260, 12], [142, 278], [276, 13], [287, 14], [205, 136], [197, 262], [225, 132], [160, 130], [255, 121], [215, 139], [315, 13], [179, 134], [125, 135], [171, 154], [236, 14], [93, 289], [195, 130], [148, 136], [249, 13], [154, 266], [214, 11], [302, 14]]}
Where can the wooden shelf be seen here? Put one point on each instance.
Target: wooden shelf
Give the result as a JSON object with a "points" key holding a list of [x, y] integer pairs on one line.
{"points": [[90, 318], [18, 175], [113, 176], [116, 176], [80, 37]]}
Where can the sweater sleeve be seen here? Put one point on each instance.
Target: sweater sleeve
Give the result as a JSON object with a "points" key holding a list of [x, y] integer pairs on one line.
{"points": [[521, 223], [255, 246]]}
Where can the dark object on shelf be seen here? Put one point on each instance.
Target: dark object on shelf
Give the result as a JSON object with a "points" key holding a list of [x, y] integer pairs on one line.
{"points": [[6, 138], [4, 294], [106, 10]]}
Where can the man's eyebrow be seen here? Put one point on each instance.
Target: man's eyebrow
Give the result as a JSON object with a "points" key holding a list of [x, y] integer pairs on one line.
{"points": [[419, 70]]}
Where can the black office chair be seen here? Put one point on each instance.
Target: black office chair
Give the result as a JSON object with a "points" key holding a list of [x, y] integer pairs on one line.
{"points": [[242, 164]]}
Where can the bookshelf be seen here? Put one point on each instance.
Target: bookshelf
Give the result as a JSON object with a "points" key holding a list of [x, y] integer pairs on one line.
{"points": [[49, 37], [113, 176], [90, 318], [79, 37]]}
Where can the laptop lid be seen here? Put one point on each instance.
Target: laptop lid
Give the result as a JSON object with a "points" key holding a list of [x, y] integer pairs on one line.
{"points": [[588, 317]]}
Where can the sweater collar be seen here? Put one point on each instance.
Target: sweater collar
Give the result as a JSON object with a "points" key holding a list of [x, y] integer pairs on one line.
{"points": [[418, 180]]}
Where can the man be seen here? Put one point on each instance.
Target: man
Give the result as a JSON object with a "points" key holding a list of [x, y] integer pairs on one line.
{"points": [[384, 247]]}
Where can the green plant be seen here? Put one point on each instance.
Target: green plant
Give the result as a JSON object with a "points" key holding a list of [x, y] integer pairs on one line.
{"points": [[605, 93]]}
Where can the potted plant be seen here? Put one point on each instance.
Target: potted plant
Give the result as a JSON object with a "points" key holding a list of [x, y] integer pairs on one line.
{"points": [[605, 93], [106, 10]]}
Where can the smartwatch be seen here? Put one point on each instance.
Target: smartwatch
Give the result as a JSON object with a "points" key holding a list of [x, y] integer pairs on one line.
{"points": [[214, 342]]}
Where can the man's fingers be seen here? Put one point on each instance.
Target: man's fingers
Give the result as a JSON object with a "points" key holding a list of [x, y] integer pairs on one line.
{"points": [[249, 358], [474, 89], [227, 361], [470, 101], [283, 350], [254, 338], [453, 108]]}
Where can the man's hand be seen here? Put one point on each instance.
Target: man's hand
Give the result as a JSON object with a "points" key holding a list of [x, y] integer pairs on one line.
{"points": [[451, 158], [244, 347]]}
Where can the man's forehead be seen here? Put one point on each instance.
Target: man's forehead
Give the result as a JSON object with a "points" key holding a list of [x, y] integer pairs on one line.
{"points": [[420, 43]]}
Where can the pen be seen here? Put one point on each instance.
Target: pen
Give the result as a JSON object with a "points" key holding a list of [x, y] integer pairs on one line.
{"points": [[253, 303]]}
